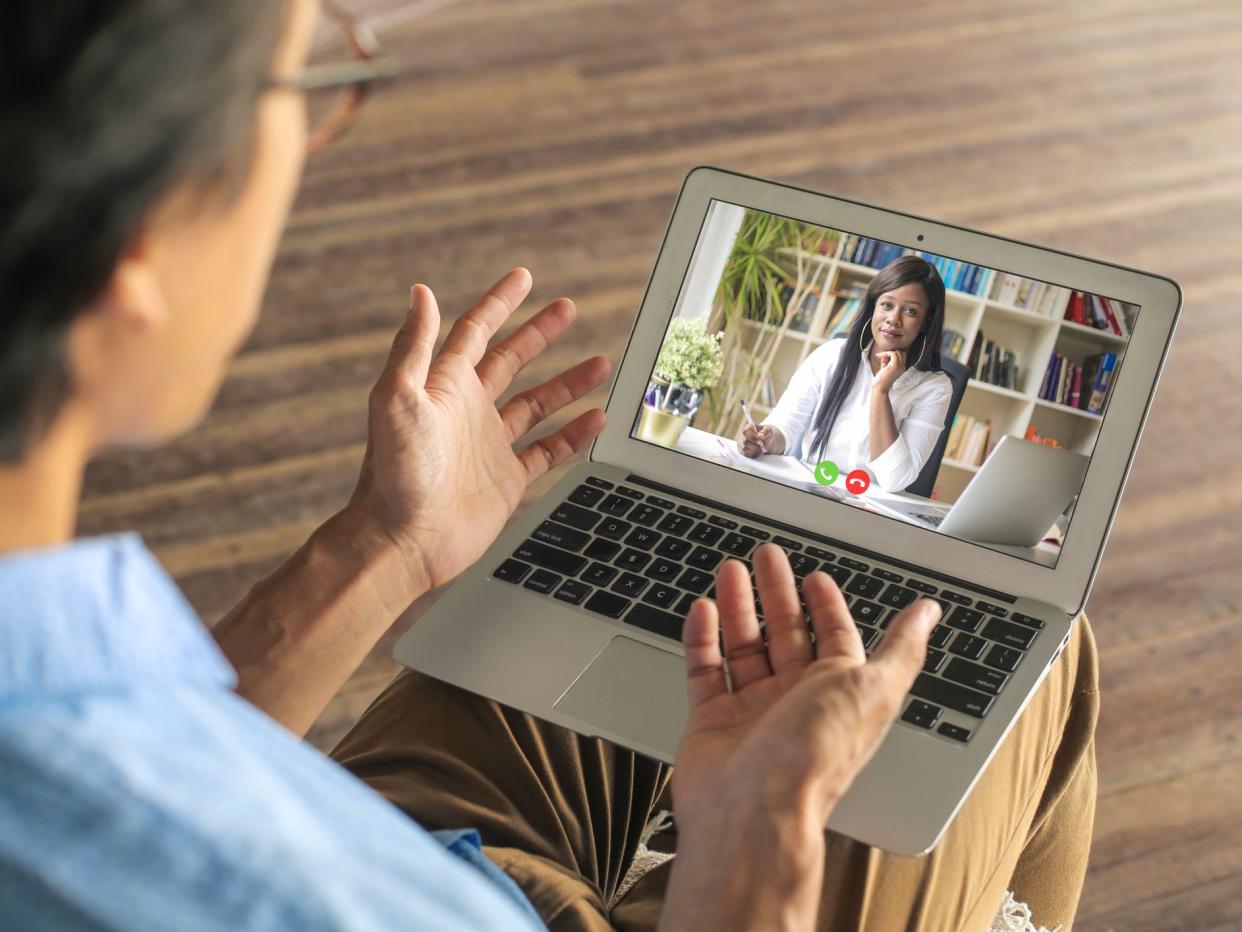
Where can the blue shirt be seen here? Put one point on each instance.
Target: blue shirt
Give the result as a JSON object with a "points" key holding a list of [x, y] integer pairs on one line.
{"points": [[138, 791]]}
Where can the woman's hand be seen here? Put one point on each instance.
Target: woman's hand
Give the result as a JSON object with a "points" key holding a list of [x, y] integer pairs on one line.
{"points": [[441, 477], [755, 441], [892, 364]]}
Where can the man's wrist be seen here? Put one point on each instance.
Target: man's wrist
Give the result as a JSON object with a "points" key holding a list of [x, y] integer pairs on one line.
{"points": [[394, 565]]}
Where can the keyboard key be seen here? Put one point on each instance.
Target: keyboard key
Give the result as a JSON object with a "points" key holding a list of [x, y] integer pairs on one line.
{"points": [[869, 635], [663, 570], [615, 505], [956, 732], [965, 619], [613, 528], [675, 524], [629, 493], [695, 581], [958, 698], [691, 512], [572, 592], [934, 660], [970, 674], [542, 581], [838, 573], [585, 495], [896, 596], [1009, 634], [922, 714], [919, 586], [853, 564], [787, 542], [643, 538], [599, 574], [673, 547], [660, 502], [629, 585], [574, 516], [598, 482], [632, 559], [802, 565], [1028, 620], [727, 523], [564, 537], [704, 533], [684, 606], [655, 620], [991, 609], [513, 571], [868, 587], [663, 596], [967, 645], [600, 549], [1003, 658], [886, 575], [955, 597], [862, 610], [819, 554], [889, 615], [755, 532], [940, 636], [738, 545], [607, 604], [550, 558], [646, 515], [704, 559]]}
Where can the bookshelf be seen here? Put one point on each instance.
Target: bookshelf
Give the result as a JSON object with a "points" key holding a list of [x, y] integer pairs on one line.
{"points": [[1033, 336]]}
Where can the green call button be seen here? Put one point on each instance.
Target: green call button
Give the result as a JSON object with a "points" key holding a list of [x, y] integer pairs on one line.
{"points": [[826, 472]]}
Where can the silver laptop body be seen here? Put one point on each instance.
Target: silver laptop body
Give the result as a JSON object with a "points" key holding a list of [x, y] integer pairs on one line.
{"points": [[516, 627]]}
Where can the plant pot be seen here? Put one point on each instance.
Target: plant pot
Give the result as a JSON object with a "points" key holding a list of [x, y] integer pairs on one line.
{"points": [[662, 427]]}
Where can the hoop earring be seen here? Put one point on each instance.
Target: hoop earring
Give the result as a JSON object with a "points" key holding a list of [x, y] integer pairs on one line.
{"points": [[922, 352], [860, 339]]}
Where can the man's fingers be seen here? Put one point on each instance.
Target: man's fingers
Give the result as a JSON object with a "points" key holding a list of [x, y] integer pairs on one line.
{"points": [[412, 347], [900, 655], [526, 409], [789, 639], [836, 635], [471, 332], [507, 358], [540, 455], [743, 641], [700, 635]]}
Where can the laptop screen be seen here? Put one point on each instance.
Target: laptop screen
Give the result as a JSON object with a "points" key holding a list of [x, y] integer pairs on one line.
{"points": [[886, 378]]}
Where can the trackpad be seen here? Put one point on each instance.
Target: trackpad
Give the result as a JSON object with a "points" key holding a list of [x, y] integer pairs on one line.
{"points": [[634, 692]]}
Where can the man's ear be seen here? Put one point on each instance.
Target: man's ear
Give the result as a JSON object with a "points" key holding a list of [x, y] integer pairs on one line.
{"points": [[133, 296]]}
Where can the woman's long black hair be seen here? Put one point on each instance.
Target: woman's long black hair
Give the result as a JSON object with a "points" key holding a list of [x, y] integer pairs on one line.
{"points": [[923, 354]]}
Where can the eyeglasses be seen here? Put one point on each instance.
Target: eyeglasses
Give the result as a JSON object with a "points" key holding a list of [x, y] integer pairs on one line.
{"points": [[350, 82]]}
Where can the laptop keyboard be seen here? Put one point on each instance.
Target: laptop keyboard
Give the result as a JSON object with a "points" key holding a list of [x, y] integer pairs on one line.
{"points": [[643, 559]]}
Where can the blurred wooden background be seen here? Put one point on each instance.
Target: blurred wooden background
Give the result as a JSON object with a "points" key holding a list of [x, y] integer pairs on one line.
{"points": [[555, 133]]}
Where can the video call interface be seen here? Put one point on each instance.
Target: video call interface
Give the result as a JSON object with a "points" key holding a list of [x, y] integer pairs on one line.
{"points": [[960, 399]]}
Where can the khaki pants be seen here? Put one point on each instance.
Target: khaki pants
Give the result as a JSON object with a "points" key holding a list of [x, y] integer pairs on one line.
{"points": [[563, 814]]}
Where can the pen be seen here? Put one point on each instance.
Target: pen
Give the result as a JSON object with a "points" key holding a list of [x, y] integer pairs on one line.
{"points": [[751, 421]]}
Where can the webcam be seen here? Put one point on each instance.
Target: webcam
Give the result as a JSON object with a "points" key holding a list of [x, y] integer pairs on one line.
{"points": [[920, 237]]}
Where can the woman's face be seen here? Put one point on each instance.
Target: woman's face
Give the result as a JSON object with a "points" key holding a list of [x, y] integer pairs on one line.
{"points": [[898, 317], [148, 361]]}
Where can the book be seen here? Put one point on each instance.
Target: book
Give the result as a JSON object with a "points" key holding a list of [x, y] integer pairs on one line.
{"points": [[1102, 383], [1076, 388]]}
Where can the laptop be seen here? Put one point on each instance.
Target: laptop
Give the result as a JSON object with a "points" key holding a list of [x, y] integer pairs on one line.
{"points": [[574, 614], [1017, 495]]}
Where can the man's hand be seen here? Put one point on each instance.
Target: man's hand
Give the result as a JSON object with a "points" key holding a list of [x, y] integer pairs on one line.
{"points": [[441, 476], [776, 735]]}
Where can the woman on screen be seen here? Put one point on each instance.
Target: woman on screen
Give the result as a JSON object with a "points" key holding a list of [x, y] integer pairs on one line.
{"points": [[877, 398]]}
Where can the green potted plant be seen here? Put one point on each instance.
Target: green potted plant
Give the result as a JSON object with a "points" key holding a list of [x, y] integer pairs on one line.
{"points": [[689, 364]]}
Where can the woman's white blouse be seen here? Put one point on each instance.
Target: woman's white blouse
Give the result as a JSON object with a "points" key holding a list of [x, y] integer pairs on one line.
{"points": [[920, 401]]}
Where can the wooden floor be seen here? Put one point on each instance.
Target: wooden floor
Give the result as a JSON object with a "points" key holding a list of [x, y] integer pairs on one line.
{"points": [[555, 133]]}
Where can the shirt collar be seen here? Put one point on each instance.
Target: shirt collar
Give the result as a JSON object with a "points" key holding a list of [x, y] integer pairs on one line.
{"points": [[96, 614]]}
